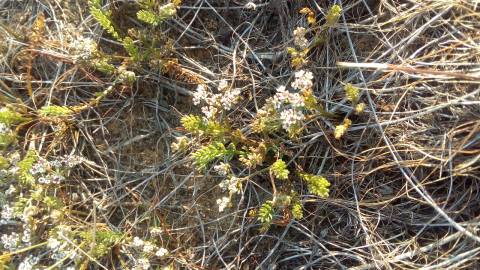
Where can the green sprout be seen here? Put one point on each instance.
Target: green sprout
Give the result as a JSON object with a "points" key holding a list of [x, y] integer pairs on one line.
{"points": [[317, 185], [279, 169]]}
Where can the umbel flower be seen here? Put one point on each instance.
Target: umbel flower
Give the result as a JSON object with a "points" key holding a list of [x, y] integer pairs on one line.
{"points": [[215, 103]]}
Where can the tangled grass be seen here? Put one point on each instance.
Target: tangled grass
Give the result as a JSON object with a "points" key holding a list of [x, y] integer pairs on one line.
{"points": [[403, 191]]}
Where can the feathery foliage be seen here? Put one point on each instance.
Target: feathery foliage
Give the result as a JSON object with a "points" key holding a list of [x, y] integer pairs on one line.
{"points": [[279, 169], [317, 184]]}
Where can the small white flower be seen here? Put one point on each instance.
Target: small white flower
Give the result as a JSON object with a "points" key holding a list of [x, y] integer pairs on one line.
{"points": [[251, 5], [283, 97], [137, 242], [11, 189], [72, 160], [222, 168], [27, 236], [39, 167], [291, 117], [299, 37], [148, 247], [303, 80], [222, 85], [43, 180], [156, 231], [223, 203], [83, 48], [142, 264], [200, 95], [230, 184], [53, 243], [209, 111], [56, 178], [161, 252], [10, 241], [28, 263], [7, 213], [230, 98], [4, 128]]}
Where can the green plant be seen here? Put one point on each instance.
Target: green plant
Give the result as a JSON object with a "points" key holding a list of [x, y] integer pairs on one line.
{"points": [[209, 153], [103, 18], [24, 167], [55, 111], [9, 117], [279, 169], [317, 184], [265, 213], [243, 148]]}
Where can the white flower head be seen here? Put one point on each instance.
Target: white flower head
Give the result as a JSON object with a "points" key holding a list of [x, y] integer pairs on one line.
{"points": [[27, 236], [283, 97], [142, 264], [231, 184], [291, 117], [83, 48], [7, 213], [251, 5], [230, 99], [156, 231], [137, 242], [161, 252], [4, 128], [53, 243], [209, 112], [223, 203], [201, 94], [303, 80], [10, 241], [149, 247], [299, 37], [222, 85], [222, 168], [28, 263], [40, 166]]}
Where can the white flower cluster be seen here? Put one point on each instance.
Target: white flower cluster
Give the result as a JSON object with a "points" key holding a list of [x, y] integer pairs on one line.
{"points": [[230, 184], [299, 38], [283, 97], [223, 203], [28, 263], [4, 129], [53, 178], [291, 117], [225, 100], [290, 105], [61, 249], [303, 80], [47, 171], [149, 247], [10, 241], [7, 214], [83, 48], [222, 168], [27, 235], [142, 264]]}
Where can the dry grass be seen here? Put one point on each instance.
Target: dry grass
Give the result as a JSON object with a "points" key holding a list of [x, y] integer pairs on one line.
{"points": [[404, 178]]}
